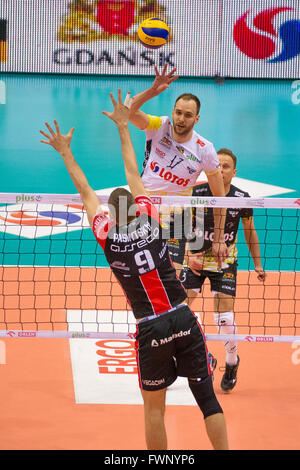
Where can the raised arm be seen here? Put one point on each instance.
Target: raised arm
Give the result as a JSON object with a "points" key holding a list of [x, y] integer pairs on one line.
{"points": [[62, 144], [161, 83], [120, 116]]}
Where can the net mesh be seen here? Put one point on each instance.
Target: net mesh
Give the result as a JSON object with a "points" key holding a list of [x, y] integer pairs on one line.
{"points": [[54, 277]]}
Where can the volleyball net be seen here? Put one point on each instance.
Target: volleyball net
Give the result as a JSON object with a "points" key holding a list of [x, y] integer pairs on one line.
{"points": [[55, 281]]}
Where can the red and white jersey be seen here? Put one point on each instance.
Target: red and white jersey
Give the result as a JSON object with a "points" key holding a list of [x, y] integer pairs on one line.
{"points": [[138, 256], [171, 167]]}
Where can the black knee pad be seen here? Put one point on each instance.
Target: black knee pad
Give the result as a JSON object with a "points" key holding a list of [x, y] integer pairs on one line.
{"points": [[205, 397]]}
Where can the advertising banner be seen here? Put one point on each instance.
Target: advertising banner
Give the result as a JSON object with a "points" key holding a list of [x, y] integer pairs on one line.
{"points": [[260, 39], [228, 38], [100, 36]]}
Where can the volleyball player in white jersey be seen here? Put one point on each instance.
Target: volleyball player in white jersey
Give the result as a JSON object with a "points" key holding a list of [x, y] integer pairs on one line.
{"points": [[175, 156]]}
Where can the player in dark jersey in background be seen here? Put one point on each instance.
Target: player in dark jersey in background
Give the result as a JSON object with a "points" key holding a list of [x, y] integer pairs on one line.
{"points": [[169, 340], [223, 281]]}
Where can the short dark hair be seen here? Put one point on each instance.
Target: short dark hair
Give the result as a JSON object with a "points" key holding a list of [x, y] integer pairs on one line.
{"points": [[120, 202], [190, 96], [228, 152]]}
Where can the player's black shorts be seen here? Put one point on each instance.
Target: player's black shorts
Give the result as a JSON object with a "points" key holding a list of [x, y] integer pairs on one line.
{"points": [[170, 345], [223, 281]]}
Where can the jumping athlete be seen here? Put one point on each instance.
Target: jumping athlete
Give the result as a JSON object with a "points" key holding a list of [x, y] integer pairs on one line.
{"points": [[169, 340], [175, 155], [222, 281]]}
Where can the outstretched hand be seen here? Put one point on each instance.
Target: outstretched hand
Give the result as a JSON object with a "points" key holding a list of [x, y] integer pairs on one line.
{"points": [[162, 81], [261, 274], [57, 140], [120, 114]]}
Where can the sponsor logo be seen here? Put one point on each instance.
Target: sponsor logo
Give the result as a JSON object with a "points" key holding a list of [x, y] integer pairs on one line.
{"points": [[28, 198], [193, 158], [156, 199], [131, 246], [180, 149], [153, 382], [113, 58], [198, 201], [238, 194], [37, 222], [22, 334], [119, 265], [191, 170], [80, 335], [260, 339], [201, 143], [228, 276], [260, 40], [166, 142], [27, 334], [160, 152], [143, 201], [42, 218], [233, 213], [160, 342], [100, 222], [297, 202], [116, 357], [167, 175]]}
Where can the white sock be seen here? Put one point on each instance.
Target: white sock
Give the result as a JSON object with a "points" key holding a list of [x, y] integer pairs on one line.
{"points": [[226, 326]]}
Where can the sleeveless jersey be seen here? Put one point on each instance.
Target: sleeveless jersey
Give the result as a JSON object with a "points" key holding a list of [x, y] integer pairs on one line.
{"points": [[203, 227], [173, 168], [139, 258]]}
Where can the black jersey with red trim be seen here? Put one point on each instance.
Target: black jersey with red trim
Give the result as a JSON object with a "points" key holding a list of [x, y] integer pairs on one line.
{"points": [[233, 216], [139, 258]]}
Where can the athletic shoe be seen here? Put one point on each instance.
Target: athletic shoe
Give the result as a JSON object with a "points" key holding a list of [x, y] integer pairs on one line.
{"points": [[212, 362], [229, 378]]}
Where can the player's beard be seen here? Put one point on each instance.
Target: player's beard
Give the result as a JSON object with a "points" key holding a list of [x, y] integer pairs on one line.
{"points": [[182, 131]]}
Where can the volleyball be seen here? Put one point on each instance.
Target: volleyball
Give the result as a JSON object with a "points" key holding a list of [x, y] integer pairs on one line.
{"points": [[153, 33]]}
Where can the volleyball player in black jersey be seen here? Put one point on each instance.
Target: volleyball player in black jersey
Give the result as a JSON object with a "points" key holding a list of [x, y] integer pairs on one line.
{"points": [[202, 265], [169, 340]]}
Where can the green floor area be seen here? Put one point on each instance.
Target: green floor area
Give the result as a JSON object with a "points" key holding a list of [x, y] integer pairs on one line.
{"points": [[256, 119]]}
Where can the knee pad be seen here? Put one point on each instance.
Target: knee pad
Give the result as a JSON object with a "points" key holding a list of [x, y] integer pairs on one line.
{"points": [[225, 319], [205, 397]]}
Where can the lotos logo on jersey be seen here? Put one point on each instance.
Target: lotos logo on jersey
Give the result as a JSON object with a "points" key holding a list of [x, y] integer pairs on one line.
{"points": [[33, 220], [167, 175], [263, 41]]}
